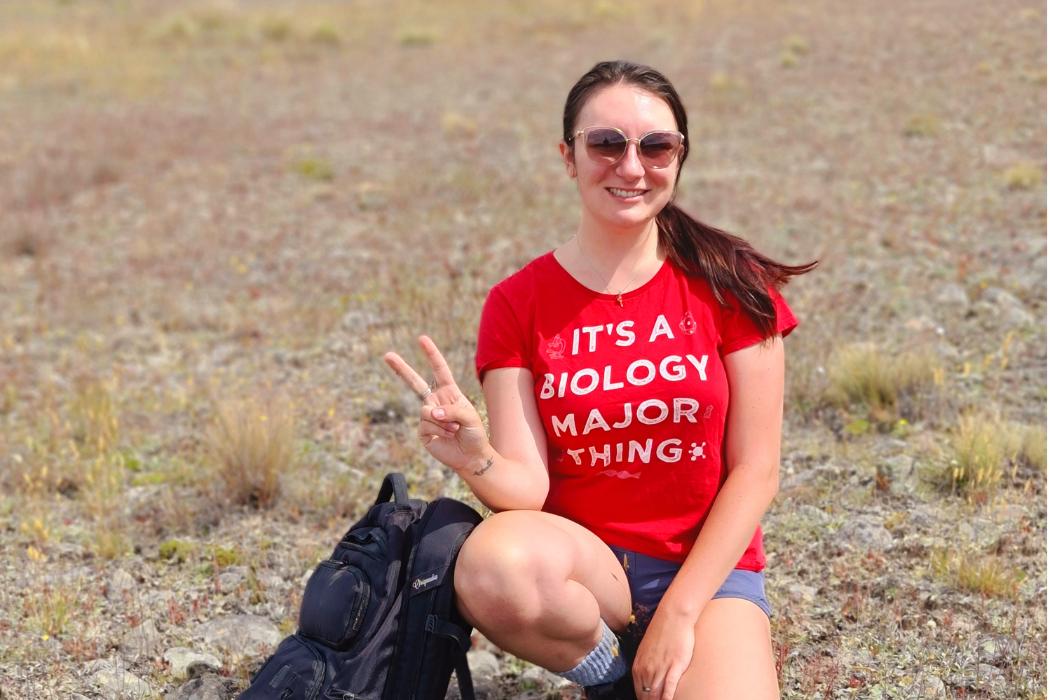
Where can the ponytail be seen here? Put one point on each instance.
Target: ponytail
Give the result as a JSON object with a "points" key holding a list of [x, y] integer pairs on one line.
{"points": [[727, 262]]}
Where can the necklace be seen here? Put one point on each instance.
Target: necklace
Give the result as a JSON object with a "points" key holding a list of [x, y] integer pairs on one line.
{"points": [[605, 289]]}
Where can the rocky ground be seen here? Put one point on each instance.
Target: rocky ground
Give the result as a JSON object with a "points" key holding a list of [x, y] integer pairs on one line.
{"points": [[231, 206]]}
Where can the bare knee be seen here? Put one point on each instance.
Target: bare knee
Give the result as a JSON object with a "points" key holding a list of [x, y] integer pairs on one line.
{"points": [[503, 571]]}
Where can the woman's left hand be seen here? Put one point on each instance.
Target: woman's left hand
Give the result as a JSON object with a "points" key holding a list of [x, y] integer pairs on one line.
{"points": [[664, 655]]}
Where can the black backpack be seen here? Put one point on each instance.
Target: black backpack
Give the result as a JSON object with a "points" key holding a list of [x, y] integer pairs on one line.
{"points": [[378, 619]]}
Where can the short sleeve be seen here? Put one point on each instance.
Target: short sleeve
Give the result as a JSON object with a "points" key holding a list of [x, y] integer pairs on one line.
{"points": [[739, 330], [501, 340]]}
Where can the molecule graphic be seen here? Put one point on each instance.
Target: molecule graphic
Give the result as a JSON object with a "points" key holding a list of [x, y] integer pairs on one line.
{"points": [[698, 451]]}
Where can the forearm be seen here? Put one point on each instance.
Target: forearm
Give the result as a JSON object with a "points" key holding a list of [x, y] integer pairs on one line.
{"points": [[743, 499], [505, 484]]}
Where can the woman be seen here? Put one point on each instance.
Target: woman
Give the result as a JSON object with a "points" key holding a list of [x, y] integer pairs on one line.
{"points": [[634, 383]]}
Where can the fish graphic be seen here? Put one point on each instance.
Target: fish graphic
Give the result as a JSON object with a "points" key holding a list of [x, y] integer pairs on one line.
{"points": [[621, 474]]}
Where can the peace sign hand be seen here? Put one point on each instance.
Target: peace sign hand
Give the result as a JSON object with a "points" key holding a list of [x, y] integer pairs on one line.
{"points": [[449, 426]]}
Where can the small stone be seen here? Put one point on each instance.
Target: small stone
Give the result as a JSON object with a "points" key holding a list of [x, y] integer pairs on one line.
{"points": [[801, 593], [953, 296], [119, 583], [991, 679], [1007, 306], [539, 678], [993, 650], [187, 663], [232, 577], [862, 534], [141, 641], [241, 635], [483, 664], [114, 681], [929, 687], [207, 687], [271, 582]]}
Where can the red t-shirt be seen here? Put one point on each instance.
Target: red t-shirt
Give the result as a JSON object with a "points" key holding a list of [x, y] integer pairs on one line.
{"points": [[633, 399]]}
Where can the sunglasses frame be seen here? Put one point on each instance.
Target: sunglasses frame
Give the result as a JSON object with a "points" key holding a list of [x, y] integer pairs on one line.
{"points": [[627, 144]]}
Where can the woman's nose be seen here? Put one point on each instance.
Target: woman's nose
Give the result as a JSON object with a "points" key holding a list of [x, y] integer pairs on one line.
{"points": [[630, 166]]}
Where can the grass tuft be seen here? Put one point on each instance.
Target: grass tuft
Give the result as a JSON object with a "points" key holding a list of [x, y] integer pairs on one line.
{"points": [[251, 442], [456, 124], [1023, 176], [49, 610], [985, 575], [178, 551], [863, 375], [276, 29], [314, 168], [922, 125], [326, 34], [984, 447], [416, 37]]}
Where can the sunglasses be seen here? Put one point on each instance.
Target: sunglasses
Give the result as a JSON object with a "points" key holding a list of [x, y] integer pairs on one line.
{"points": [[607, 145]]}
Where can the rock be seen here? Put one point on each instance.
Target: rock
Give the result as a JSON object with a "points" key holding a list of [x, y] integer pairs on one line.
{"points": [[207, 687], [994, 650], [271, 582], [111, 678], [483, 664], [187, 663], [232, 577], [952, 296], [119, 583], [1007, 307], [241, 635], [539, 678], [861, 533], [929, 687], [801, 593], [991, 680], [141, 641]]}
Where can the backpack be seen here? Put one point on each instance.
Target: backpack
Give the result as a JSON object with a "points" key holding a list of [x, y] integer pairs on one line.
{"points": [[378, 619]]}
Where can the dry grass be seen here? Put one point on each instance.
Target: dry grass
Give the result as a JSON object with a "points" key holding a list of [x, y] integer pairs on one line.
{"points": [[864, 376], [251, 445], [50, 609], [983, 574], [985, 449]]}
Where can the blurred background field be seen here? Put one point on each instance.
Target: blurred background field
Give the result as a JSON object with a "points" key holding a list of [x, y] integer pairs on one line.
{"points": [[216, 216]]}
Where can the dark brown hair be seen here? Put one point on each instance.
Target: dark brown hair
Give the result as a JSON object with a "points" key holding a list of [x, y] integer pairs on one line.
{"points": [[727, 262]]}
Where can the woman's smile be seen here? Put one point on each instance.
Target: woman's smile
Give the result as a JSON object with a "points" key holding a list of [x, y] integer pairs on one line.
{"points": [[627, 195]]}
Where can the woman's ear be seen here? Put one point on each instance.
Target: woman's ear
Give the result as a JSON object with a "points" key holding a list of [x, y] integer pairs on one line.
{"points": [[568, 157]]}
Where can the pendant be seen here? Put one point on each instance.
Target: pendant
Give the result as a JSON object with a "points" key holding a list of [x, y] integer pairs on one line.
{"points": [[619, 299]]}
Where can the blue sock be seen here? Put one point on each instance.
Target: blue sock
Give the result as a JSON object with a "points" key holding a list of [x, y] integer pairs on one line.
{"points": [[604, 664]]}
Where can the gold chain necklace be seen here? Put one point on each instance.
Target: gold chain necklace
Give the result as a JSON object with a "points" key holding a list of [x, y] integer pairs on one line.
{"points": [[605, 289]]}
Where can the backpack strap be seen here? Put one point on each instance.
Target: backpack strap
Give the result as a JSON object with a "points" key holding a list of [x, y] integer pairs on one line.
{"points": [[394, 483], [449, 630]]}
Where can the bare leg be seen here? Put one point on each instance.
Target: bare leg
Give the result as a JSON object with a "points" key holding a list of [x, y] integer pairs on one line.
{"points": [[733, 655], [536, 585]]}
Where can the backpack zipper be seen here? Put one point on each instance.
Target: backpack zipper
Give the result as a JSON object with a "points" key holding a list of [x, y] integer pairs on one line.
{"points": [[361, 605]]}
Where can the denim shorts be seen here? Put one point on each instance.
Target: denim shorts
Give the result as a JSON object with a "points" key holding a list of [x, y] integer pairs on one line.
{"points": [[650, 577]]}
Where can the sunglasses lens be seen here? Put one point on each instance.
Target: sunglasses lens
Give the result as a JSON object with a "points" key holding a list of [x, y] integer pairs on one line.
{"points": [[660, 147], [605, 144]]}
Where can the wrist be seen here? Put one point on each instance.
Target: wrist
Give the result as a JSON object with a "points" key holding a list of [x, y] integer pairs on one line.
{"points": [[481, 463], [678, 608]]}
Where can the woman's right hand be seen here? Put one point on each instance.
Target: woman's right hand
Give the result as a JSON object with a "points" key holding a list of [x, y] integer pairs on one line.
{"points": [[449, 426]]}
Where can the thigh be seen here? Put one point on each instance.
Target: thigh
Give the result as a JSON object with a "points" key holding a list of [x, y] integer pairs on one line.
{"points": [[732, 656], [557, 547]]}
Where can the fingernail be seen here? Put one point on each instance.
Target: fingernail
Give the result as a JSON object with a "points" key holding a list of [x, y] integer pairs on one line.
{"points": [[438, 413], [453, 427]]}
